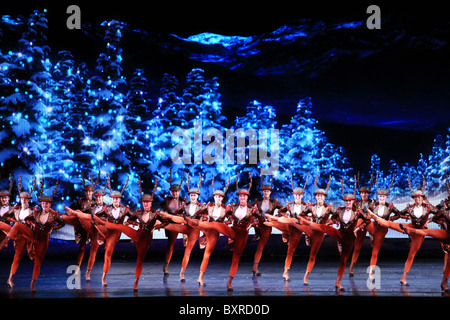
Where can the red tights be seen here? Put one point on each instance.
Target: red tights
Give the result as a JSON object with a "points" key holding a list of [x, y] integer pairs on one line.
{"points": [[346, 239], [239, 235], [40, 241], [192, 237], [143, 240]]}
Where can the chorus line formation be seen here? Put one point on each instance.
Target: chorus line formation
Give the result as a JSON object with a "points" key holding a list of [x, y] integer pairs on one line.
{"points": [[98, 223]]}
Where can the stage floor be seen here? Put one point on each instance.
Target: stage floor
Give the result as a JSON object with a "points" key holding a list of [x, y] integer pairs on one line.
{"points": [[268, 293], [424, 279]]}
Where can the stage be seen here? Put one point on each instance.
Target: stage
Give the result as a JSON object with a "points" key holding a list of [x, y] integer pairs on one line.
{"points": [[424, 280], [265, 296], [56, 281]]}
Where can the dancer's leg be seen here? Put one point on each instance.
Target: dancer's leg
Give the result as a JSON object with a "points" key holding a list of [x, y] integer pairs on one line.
{"points": [[265, 233], [192, 237], [111, 240], [211, 238], [171, 238], [416, 242], [240, 240], [439, 234], [329, 230], [347, 245], [142, 244], [41, 248], [92, 252], [387, 224], [378, 238], [357, 249], [218, 226], [5, 227], [128, 231], [294, 239], [20, 245], [316, 241]]}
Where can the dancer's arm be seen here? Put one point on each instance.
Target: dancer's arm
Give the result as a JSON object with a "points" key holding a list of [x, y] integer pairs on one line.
{"points": [[59, 221]]}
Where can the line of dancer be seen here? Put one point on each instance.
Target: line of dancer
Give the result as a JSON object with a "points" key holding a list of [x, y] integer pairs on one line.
{"points": [[97, 223]]}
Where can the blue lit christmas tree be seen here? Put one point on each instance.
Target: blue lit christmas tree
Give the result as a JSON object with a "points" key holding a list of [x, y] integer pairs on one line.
{"points": [[24, 99], [305, 149]]}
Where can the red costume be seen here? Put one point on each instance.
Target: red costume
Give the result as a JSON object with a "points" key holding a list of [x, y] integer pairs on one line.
{"points": [[94, 236], [145, 219], [348, 218], [84, 205], [114, 213], [213, 212], [242, 216], [418, 213], [262, 231], [40, 225], [364, 203], [319, 214], [190, 234], [170, 205], [291, 233], [18, 213]]}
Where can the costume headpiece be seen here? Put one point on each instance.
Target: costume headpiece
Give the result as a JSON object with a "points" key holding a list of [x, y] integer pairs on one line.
{"points": [[365, 188], [24, 194], [90, 187], [383, 191], [41, 197], [115, 193], [267, 186], [146, 196], [175, 187], [320, 190], [194, 190], [420, 191], [299, 190], [348, 196], [220, 192], [243, 191]]}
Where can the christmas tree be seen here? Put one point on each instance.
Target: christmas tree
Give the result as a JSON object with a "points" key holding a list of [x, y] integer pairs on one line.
{"points": [[24, 100], [305, 149]]}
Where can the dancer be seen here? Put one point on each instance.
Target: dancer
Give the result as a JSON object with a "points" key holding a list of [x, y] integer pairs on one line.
{"points": [[262, 231], [170, 205], [443, 219], [243, 217], [147, 220], [347, 216], [190, 234], [290, 232], [19, 213], [84, 205], [213, 212], [6, 209], [114, 213], [41, 224], [364, 203], [378, 232], [418, 212], [320, 213], [95, 237]]}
